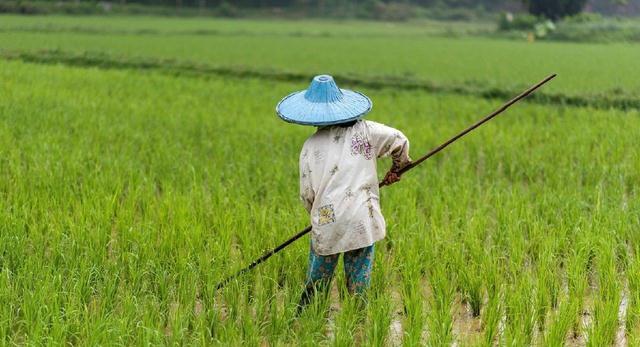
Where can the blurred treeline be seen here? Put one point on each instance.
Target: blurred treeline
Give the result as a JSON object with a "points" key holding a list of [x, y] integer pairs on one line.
{"points": [[370, 9]]}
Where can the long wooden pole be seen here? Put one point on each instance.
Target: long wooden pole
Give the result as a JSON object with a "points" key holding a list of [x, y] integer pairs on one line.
{"points": [[477, 124], [415, 163]]}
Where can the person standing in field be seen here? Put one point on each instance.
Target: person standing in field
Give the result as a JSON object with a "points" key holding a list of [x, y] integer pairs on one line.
{"points": [[338, 180]]}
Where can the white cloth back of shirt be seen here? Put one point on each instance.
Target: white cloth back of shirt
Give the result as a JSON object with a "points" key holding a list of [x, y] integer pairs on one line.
{"points": [[339, 183]]}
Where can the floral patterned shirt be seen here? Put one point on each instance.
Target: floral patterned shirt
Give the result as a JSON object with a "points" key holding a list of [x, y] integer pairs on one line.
{"points": [[339, 183]]}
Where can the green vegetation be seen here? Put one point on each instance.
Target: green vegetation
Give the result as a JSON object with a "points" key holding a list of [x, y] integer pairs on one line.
{"points": [[598, 30], [393, 10], [580, 28], [369, 9], [136, 176], [403, 52]]}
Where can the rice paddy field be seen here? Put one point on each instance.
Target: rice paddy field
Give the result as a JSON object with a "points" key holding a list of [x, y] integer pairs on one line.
{"points": [[141, 162]]}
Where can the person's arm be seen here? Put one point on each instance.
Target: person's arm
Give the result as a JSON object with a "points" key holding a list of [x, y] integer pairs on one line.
{"points": [[307, 195], [390, 142]]}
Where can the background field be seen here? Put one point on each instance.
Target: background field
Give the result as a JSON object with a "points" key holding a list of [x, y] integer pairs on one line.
{"points": [[127, 193], [365, 50]]}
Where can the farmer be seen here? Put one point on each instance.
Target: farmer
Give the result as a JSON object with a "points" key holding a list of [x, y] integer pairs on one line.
{"points": [[338, 180]]}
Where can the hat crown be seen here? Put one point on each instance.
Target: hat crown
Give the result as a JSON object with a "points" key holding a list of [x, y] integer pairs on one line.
{"points": [[323, 89], [323, 103]]}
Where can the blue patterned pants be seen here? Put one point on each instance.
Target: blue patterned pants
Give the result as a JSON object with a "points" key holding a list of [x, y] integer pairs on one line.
{"points": [[357, 269]]}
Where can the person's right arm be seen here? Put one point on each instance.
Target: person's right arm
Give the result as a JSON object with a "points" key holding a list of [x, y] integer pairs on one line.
{"points": [[390, 142]]}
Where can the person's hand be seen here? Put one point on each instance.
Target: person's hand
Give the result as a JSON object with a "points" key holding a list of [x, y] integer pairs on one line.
{"points": [[390, 178]]}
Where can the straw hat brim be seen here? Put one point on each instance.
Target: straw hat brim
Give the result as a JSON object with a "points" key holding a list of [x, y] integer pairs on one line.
{"points": [[295, 108]]}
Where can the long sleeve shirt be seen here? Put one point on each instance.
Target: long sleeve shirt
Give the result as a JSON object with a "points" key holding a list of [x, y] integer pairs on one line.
{"points": [[339, 184]]}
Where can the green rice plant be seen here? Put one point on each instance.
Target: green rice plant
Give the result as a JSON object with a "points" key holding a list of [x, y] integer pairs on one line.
{"points": [[491, 317], [577, 282], [607, 303], [520, 312], [380, 312], [561, 323], [379, 308], [493, 310], [633, 315], [413, 301], [473, 284], [349, 322], [548, 273], [439, 315], [468, 264]]}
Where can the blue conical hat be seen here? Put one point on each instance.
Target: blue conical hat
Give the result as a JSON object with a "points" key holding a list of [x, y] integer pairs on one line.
{"points": [[323, 103]]}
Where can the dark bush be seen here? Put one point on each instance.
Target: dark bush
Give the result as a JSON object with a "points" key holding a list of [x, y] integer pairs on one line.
{"points": [[555, 9]]}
